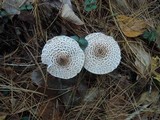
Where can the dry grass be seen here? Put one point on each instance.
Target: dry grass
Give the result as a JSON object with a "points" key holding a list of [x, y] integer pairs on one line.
{"points": [[115, 95]]}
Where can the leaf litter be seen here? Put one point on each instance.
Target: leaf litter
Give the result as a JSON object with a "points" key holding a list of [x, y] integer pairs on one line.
{"points": [[142, 60], [131, 27], [27, 91]]}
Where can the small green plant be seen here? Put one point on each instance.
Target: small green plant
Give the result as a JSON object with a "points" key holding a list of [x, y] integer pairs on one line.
{"points": [[83, 43], [26, 7], [5, 92], [90, 5], [25, 118], [3, 13], [22, 8], [150, 35]]}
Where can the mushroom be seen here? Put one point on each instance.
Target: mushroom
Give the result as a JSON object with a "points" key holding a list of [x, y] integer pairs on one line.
{"points": [[63, 56], [102, 53]]}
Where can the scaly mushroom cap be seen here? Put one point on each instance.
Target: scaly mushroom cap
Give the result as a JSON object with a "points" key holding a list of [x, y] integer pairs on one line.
{"points": [[102, 53], [63, 56]]}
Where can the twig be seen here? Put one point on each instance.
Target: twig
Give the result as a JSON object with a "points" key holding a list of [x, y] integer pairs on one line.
{"points": [[18, 65], [19, 90]]}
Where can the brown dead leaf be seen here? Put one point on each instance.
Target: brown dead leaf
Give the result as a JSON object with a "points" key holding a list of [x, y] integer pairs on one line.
{"points": [[143, 59], [131, 27], [156, 67], [3, 115], [37, 78], [147, 97], [92, 94], [12, 6], [122, 5]]}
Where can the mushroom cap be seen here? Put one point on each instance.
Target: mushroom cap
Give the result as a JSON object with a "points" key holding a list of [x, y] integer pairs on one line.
{"points": [[102, 54], [63, 56]]}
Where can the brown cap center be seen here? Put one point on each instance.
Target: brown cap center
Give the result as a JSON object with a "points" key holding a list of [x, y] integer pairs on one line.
{"points": [[100, 51], [63, 59]]}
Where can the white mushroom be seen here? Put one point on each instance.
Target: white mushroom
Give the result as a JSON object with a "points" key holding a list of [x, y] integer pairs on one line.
{"points": [[63, 56], [102, 53]]}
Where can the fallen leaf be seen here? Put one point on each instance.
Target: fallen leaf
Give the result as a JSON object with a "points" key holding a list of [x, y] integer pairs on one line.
{"points": [[3, 116], [93, 93], [67, 2], [10, 9], [122, 5], [15, 3], [69, 15], [147, 97], [12, 6], [37, 78], [155, 67], [143, 59], [131, 27]]}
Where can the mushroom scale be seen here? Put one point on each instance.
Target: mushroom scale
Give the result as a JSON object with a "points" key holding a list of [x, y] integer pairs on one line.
{"points": [[63, 56], [102, 54]]}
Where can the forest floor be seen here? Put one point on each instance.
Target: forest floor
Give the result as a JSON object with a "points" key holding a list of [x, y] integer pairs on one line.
{"points": [[130, 92]]}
